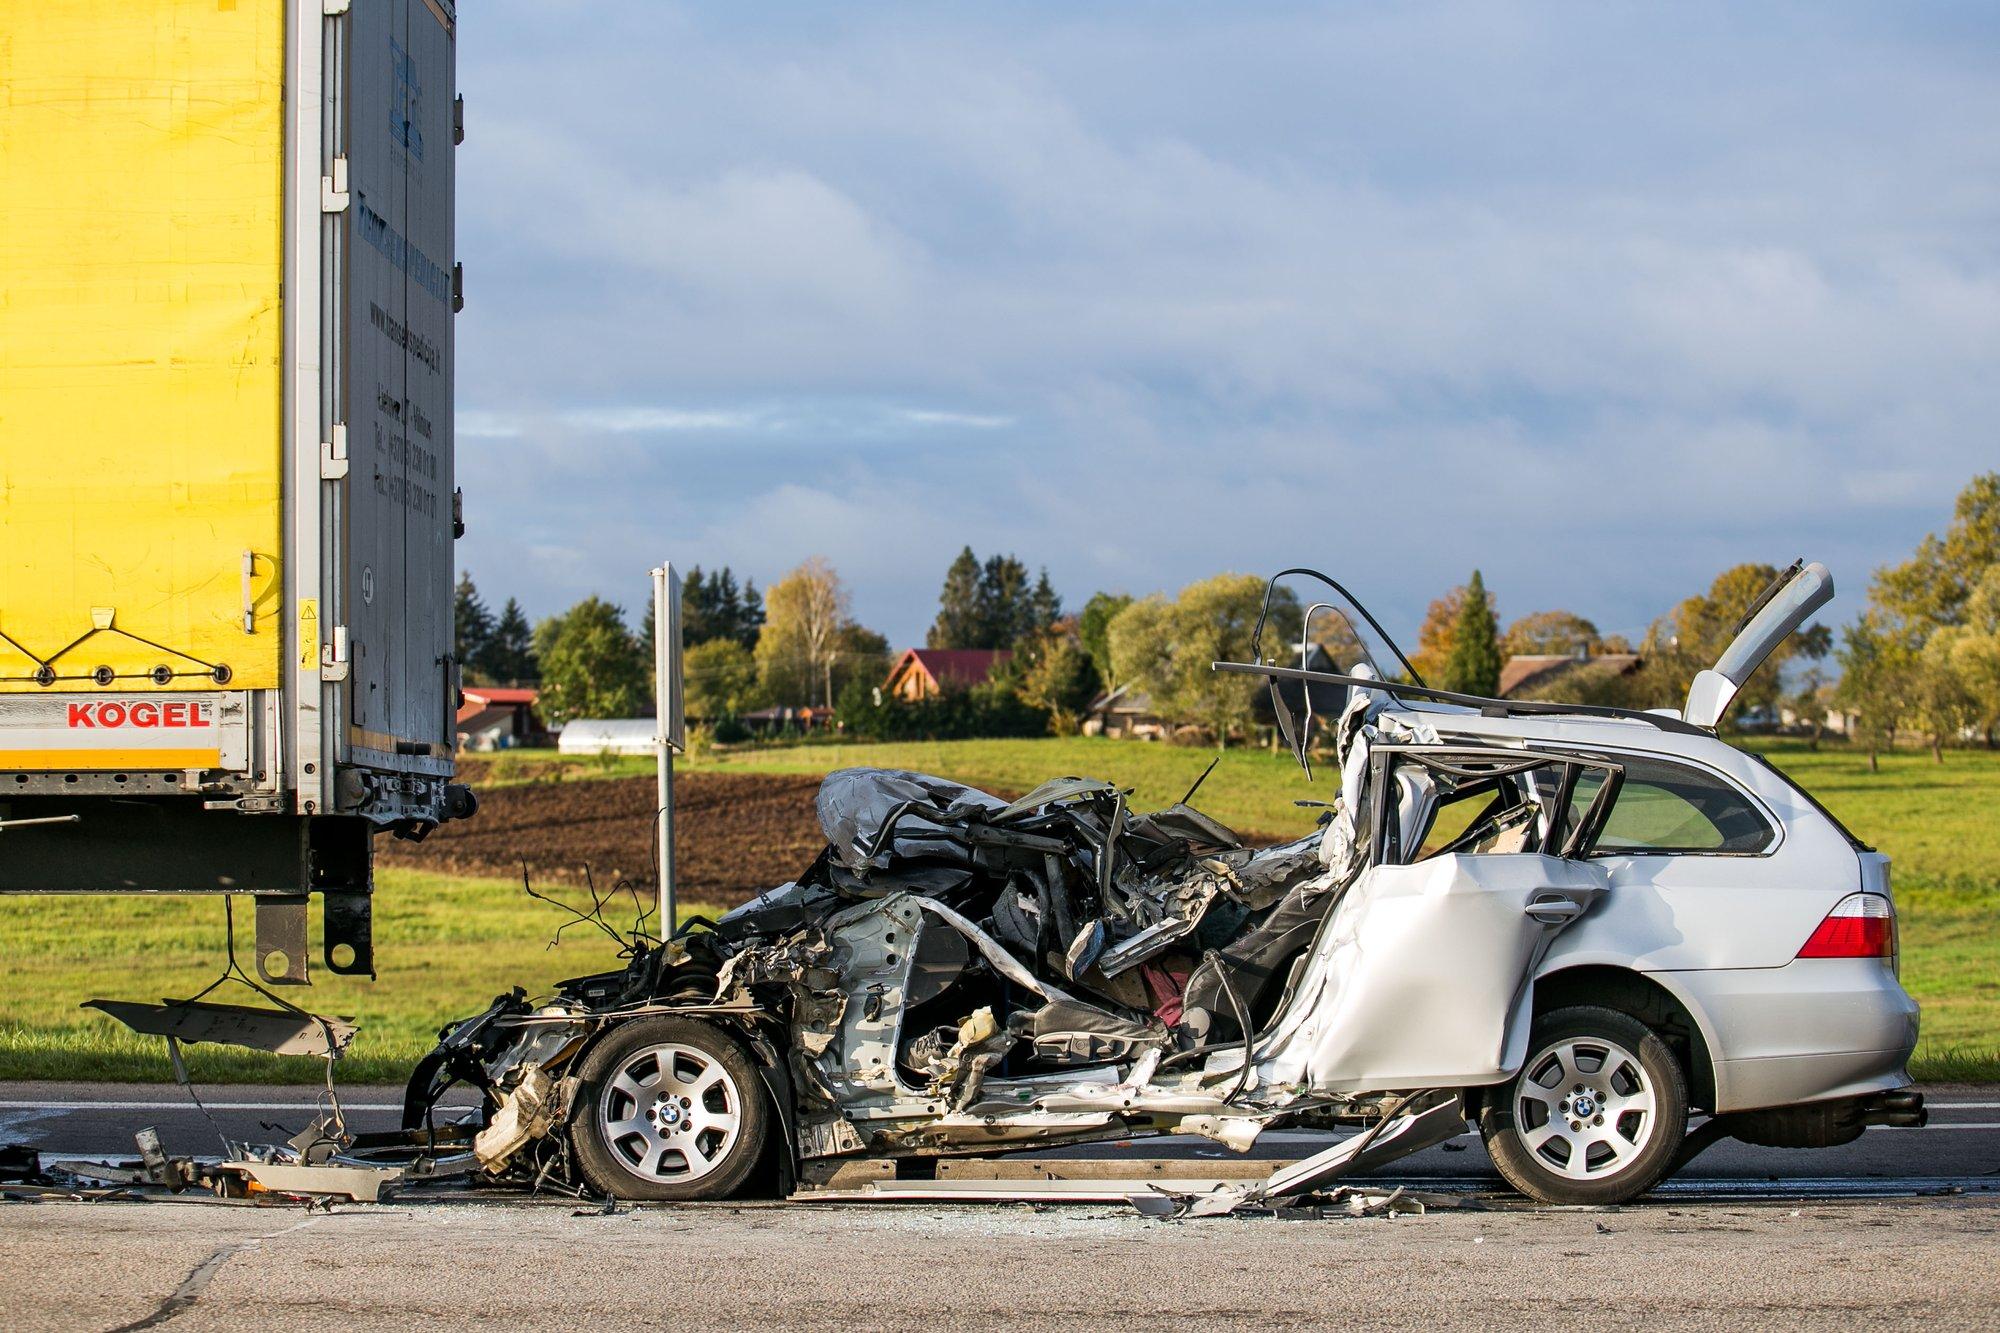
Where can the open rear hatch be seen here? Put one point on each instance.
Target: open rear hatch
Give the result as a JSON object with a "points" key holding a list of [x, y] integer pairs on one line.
{"points": [[1786, 605]]}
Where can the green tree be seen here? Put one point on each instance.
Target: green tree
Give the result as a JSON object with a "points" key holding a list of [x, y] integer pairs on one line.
{"points": [[1972, 647], [721, 679], [1473, 666], [859, 654], [509, 656], [1876, 666], [471, 626], [749, 614], [1044, 607], [1167, 648], [713, 607], [1005, 611], [1058, 678], [1093, 631], [1548, 632], [590, 662], [1808, 703], [1940, 701], [959, 622], [1931, 588]]}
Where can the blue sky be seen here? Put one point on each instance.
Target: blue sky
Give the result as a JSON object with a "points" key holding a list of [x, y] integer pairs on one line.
{"points": [[1599, 298]]}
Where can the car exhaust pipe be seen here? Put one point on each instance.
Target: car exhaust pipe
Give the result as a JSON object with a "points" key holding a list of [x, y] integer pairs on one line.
{"points": [[1903, 1108]]}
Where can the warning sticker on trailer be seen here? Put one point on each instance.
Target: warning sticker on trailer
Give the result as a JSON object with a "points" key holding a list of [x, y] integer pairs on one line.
{"points": [[308, 633]]}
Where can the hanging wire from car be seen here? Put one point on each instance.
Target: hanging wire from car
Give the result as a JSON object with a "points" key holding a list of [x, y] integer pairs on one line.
{"points": [[328, 1106]]}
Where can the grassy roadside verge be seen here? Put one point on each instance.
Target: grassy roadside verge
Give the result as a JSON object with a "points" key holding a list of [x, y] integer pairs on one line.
{"points": [[445, 945]]}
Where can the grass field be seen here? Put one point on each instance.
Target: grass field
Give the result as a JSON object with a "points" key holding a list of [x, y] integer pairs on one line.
{"points": [[445, 947]]}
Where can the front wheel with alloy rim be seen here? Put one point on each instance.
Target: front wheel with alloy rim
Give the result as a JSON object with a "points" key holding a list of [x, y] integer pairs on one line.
{"points": [[1595, 1115], [668, 1108]]}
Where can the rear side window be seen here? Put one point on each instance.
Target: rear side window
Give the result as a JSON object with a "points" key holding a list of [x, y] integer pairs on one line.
{"points": [[1667, 808]]}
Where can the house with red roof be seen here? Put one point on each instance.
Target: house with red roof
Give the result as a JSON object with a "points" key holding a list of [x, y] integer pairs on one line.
{"points": [[921, 673], [495, 717]]}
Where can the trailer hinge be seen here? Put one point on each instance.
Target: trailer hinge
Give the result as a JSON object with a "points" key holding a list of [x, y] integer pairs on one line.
{"points": [[333, 195], [334, 8], [457, 288], [458, 119], [249, 805], [333, 454], [333, 662]]}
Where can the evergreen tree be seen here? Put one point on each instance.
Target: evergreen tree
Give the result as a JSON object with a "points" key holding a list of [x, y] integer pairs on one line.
{"points": [[959, 621], [1473, 666], [697, 612], [1044, 605], [749, 614], [471, 624], [509, 656], [1003, 602]]}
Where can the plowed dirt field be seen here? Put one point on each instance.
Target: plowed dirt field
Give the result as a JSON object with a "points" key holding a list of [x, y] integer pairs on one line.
{"points": [[737, 834]]}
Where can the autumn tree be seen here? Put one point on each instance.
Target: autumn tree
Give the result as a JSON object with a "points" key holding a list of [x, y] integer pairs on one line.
{"points": [[1691, 637], [804, 614], [1435, 635], [1549, 633], [590, 664], [1473, 664]]}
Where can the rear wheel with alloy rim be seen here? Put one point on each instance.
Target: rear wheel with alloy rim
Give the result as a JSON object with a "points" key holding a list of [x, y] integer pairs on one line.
{"points": [[669, 1108], [1595, 1115]]}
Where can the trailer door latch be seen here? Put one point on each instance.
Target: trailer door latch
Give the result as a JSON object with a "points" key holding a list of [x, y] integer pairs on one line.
{"points": [[333, 454], [333, 662], [333, 195]]}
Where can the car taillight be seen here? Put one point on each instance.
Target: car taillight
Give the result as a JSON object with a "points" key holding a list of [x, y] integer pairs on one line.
{"points": [[1861, 925]]}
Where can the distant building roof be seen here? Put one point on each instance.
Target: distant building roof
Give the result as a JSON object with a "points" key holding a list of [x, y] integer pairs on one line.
{"points": [[1526, 672], [618, 735], [1123, 699], [504, 694], [949, 666]]}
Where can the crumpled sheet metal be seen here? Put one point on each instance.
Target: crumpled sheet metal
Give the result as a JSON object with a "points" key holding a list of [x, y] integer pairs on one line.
{"points": [[279, 1031], [855, 804]]}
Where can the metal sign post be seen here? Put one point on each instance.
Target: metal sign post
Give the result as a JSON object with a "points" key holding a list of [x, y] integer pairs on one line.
{"points": [[672, 723]]}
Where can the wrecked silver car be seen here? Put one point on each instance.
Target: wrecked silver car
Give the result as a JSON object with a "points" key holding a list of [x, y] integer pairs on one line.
{"points": [[1569, 926]]}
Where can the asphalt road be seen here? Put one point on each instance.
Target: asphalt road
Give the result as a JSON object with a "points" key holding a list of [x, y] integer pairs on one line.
{"points": [[189, 1266], [1961, 1143], [1752, 1238]]}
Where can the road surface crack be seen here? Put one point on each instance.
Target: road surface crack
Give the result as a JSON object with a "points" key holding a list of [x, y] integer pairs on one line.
{"points": [[190, 1289]]}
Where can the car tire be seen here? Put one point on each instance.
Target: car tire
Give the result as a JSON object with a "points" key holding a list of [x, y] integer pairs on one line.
{"points": [[669, 1109], [1596, 1114]]}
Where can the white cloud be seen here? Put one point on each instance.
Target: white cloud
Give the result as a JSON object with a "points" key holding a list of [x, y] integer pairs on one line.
{"points": [[1607, 300]]}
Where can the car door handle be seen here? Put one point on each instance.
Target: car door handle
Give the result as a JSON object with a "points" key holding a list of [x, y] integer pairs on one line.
{"points": [[1553, 911]]}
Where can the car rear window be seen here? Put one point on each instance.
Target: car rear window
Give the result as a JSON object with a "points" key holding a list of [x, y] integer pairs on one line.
{"points": [[1665, 807]]}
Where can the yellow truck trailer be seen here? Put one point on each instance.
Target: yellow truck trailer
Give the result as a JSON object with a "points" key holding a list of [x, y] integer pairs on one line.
{"points": [[227, 502]]}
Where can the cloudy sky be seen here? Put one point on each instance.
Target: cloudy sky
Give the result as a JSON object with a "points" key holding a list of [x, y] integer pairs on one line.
{"points": [[1600, 298]]}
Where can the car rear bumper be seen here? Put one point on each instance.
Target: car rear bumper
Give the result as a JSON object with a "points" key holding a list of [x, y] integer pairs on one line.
{"points": [[1815, 1029]]}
